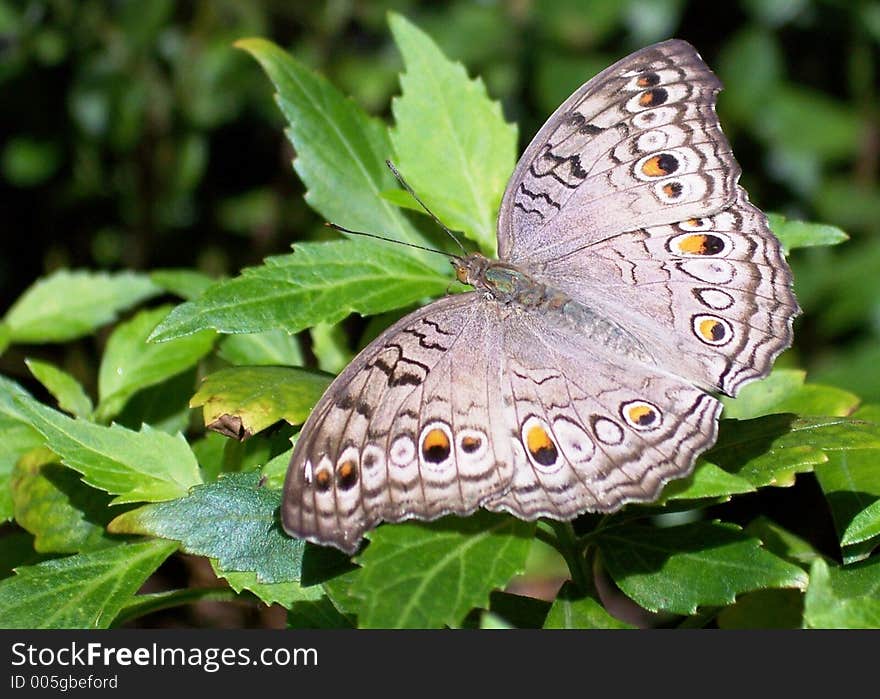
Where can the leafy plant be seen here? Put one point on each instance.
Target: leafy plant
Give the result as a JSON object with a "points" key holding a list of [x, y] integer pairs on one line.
{"points": [[104, 491]]}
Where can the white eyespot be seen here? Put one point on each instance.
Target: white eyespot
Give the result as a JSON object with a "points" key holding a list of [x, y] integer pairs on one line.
{"points": [[651, 141], [714, 298], [653, 118], [709, 270], [607, 431], [576, 444], [308, 471], [372, 458], [403, 451]]}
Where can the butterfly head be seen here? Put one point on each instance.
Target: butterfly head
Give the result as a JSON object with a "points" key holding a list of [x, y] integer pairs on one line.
{"points": [[471, 269]]}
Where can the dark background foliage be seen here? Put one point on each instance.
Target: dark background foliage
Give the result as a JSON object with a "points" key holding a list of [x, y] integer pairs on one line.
{"points": [[134, 136]]}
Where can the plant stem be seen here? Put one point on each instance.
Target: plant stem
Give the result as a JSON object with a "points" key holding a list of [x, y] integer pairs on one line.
{"points": [[567, 545]]}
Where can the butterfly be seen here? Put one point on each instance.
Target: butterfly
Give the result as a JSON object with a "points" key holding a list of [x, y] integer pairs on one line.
{"points": [[635, 282]]}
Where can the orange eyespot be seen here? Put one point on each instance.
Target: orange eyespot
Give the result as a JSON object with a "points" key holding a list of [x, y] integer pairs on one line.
{"points": [[642, 414], [712, 330], [672, 190], [660, 165], [540, 446], [651, 98], [435, 446], [346, 474], [323, 480], [470, 444]]}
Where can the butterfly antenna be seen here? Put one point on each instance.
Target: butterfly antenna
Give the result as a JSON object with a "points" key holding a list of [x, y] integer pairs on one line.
{"points": [[387, 240], [430, 213]]}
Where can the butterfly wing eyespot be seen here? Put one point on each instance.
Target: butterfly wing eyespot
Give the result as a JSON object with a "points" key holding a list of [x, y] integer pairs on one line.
{"points": [[622, 226]]}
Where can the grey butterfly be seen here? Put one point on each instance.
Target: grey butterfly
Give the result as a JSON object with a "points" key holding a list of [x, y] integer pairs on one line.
{"points": [[635, 281]]}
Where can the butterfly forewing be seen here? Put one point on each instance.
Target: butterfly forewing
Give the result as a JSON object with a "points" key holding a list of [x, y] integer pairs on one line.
{"points": [[637, 145]]}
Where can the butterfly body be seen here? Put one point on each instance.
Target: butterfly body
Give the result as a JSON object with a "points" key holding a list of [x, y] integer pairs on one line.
{"points": [[635, 280], [517, 290]]}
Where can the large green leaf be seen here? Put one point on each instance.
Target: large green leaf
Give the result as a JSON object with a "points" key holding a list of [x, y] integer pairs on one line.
{"points": [[452, 143], [130, 363], [319, 282], [340, 150], [678, 569], [84, 591], [67, 305], [427, 575], [135, 466], [233, 520], [771, 450]]}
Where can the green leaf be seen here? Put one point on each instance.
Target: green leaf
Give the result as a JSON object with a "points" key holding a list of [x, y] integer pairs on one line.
{"points": [[515, 611], [427, 575], [851, 483], [771, 450], [784, 391], [678, 569], [18, 439], [782, 542], [186, 283], [865, 525], [764, 609], [283, 593], [275, 470], [232, 520], [164, 406], [340, 150], [574, 610], [800, 234], [452, 143], [136, 466], [319, 282], [130, 363], [330, 347], [317, 614], [68, 305], [706, 481], [84, 591], [241, 401], [18, 551], [53, 504], [64, 388], [269, 348], [843, 598]]}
